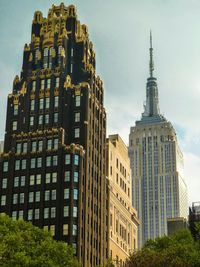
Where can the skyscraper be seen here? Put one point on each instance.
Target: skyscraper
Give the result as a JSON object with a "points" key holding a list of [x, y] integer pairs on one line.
{"points": [[53, 165], [159, 190]]}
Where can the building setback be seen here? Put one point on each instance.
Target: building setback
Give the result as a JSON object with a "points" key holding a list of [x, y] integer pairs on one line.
{"points": [[159, 190], [123, 217], [53, 168]]}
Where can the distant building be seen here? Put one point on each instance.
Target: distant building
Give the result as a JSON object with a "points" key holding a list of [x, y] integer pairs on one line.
{"points": [[194, 217], [159, 190], [123, 217], [176, 224]]}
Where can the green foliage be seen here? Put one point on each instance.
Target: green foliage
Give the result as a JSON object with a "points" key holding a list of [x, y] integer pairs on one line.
{"points": [[24, 245], [179, 250]]}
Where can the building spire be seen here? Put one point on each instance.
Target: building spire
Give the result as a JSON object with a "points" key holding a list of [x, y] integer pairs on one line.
{"points": [[151, 64]]}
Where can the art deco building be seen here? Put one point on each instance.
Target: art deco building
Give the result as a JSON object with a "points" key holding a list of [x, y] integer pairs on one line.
{"points": [[123, 217], [159, 190], [53, 169]]}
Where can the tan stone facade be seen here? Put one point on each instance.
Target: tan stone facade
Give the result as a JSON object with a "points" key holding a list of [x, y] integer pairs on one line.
{"points": [[123, 217]]}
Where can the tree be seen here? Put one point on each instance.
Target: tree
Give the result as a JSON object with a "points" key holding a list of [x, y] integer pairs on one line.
{"points": [[24, 245], [179, 250]]}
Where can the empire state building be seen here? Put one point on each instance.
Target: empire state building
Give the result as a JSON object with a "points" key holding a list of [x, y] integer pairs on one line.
{"points": [[159, 189]]}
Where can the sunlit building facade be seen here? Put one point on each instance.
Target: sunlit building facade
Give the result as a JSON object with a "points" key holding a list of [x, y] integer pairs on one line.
{"points": [[123, 232], [159, 189]]}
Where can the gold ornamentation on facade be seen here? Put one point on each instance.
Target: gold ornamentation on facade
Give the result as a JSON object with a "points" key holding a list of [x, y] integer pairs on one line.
{"points": [[23, 89], [16, 99], [47, 92], [67, 82], [56, 92], [16, 80], [30, 57], [41, 93], [27, 47]]}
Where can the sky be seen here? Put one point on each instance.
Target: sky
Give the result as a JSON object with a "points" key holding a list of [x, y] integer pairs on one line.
{"points": [[119, 30]]}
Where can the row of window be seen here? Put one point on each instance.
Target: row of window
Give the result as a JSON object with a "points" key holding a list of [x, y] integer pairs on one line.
{"points": [[19, 198], [36, 179], [45, 84]]}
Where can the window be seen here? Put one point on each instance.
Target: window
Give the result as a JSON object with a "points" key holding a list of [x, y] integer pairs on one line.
{"points": [[55, 101], [40, 119], [15, 110], [48, 161], [48, 83], [65, 229], [77, 132], [53, 212], [38, 179], [30, 215], [48, 178], [74, 230], [41, 103], [66, 211], [47, 119], [14, 215], [22, 180], [54, 177], [47, 195], [15, 198], [32, 105], [33, 162], [67, 176], [3, 200], [21, 214], [55, 160], [14, 125], [55, 143], [16, 181], [18, 149], [75, 194], [5, 166], [57, 81], [21, 198], [17, 165], [37, 214], [45, 59], [33, 146], [37, 52], [46, 213], [47, 103], [39, 162], [40, 145], [32, 180], [33, 86], [59, 54], [75, 212], [66, 193], [24, 148], [55, 117], [42, 84], [24, 164], [77, 101], [30, 197], [37, 196], [77, 116], [49, 144], [76, 177], [67, 159], [4, 183], [31, 121], [52, 230], [76, 160], [53, 194]]}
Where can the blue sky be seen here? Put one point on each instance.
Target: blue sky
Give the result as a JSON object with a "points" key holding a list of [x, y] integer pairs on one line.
{"points": [[119, 30]]}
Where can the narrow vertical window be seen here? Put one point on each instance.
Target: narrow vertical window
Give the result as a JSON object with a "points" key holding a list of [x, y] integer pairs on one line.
{"points": [[40, 119], [47, 119], [48, 83], [77, 132], [57, 82], [67, 159], [55, 117], [76, 160], [47, 102], [31, 121], [32, 105], [15, 110], [18, 149], [77, 101], [56, 101], [42, 84], [33, 86], [48, 161], [41, 103], [45, 58], [77, 117], [14, 125], [5, 166]]}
